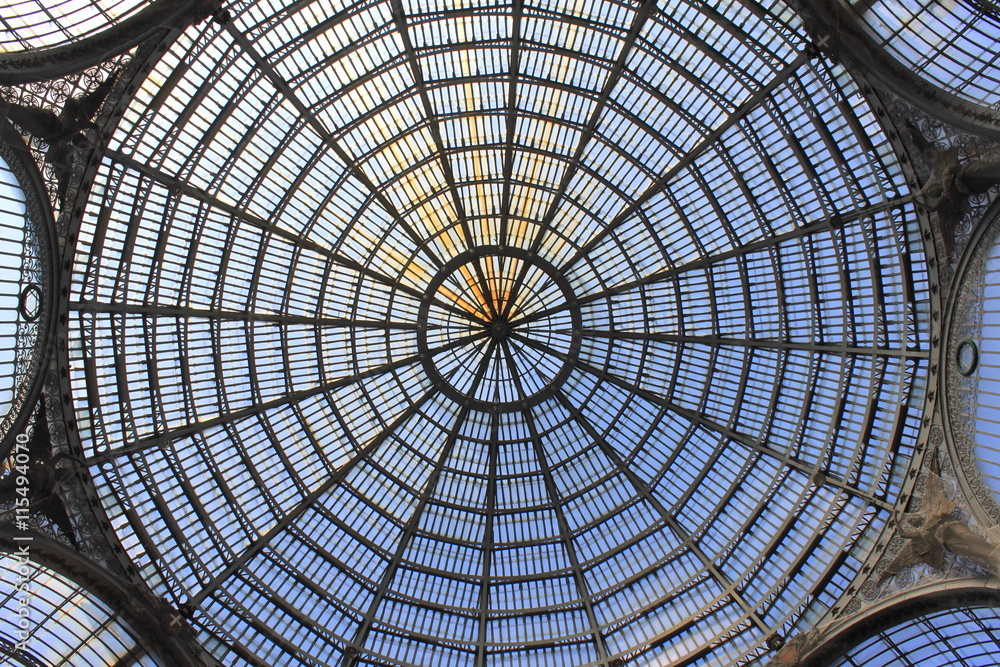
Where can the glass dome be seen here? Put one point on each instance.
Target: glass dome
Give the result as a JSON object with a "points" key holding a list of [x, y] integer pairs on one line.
{"points": [[960, 637], [952, 45], [509, 334], [37, 24]]}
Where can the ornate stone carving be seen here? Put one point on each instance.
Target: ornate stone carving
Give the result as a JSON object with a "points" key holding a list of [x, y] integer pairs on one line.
{"points": [[966, 323], [798, 647], [952, 183], [935, 539]]}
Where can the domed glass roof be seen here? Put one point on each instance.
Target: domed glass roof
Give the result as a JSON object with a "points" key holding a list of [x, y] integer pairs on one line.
{"points": [[36, 24], [472, 333], [963, 637]]}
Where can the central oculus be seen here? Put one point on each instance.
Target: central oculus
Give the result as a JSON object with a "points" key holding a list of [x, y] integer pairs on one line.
{"points": [[499, 329]]}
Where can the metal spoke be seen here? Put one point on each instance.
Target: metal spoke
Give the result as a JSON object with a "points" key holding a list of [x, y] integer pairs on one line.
{"points": [[695, 417], [434, 127], [661, 183], [187, 312], [565, 534], [840, 349], [646, 9], [828, 224], [176, 185], [488, 541], [165, 437], [514, 67], [414, 521], [668, 517]]}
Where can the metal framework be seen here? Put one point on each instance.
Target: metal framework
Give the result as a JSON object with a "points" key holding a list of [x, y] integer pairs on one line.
{"points": [[951, 46], [940, 57], [518, 333], [27, 246], [965, 638], [60, 608]]}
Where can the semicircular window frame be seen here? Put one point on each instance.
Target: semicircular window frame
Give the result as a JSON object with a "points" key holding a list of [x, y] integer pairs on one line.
{"points": [[44, 25], [62, 621], [26, 218], [958, 637], [972, 363], [949, 47]]}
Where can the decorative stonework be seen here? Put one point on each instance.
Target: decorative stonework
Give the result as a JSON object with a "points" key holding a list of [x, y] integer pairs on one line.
{"points": [[963, 389], [879, 587], [881, 583], [944, 136]]}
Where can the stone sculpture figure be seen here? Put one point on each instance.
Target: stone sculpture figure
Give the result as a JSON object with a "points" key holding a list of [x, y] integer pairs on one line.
{"points": [[64, 133], [42, 479], [794, 652], [950, 185], [934, 530]]}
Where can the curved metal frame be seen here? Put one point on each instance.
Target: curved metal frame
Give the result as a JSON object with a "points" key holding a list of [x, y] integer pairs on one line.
{"points": [[836, 638], [497, 327], [14, 152], [837, 31], [19, 67], [985, 234], [163, 629]]}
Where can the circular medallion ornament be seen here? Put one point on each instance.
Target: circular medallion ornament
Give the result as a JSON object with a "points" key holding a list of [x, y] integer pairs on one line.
{"points": [[967, 357], [30, 302]]}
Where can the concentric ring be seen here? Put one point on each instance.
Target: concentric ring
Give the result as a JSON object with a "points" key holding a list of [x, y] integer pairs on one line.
{"points": [[519, 310], [501, 338]]}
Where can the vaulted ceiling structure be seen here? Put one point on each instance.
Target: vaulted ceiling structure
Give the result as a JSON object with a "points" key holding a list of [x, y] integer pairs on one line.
{"points": [[520, 333]]}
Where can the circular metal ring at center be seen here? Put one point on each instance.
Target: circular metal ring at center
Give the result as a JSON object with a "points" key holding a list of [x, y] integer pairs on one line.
{"points": [[499, 329]]}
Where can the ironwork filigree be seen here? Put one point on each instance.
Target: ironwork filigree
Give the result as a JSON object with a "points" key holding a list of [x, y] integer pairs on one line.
{"points": [[36, 272], [52, 95]]}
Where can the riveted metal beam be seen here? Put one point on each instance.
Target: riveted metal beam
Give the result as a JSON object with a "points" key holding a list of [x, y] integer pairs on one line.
{"points": [[160, 439], [361, 636], [556, 501]]}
